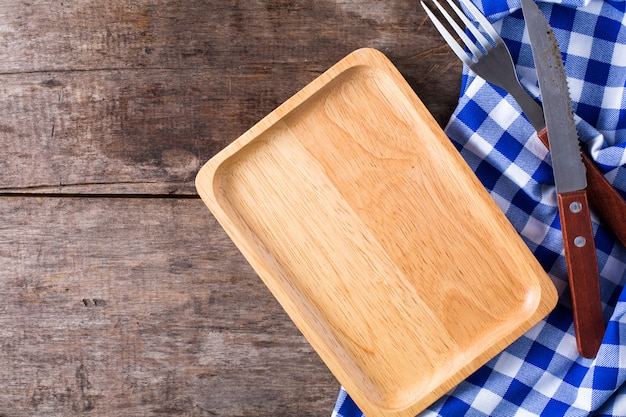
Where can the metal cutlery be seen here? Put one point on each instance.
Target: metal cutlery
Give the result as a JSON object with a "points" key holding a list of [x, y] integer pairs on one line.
{"points": [[570, 178], [492, 61]]}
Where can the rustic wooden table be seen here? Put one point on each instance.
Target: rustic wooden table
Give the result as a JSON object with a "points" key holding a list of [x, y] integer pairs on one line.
{"points": [[120, 295]]}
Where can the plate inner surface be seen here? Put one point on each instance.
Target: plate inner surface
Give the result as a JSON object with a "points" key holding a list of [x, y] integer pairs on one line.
{"points": [[373, 227]]}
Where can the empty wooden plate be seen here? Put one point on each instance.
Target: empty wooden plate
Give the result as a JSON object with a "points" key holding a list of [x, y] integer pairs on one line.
{"points": [[375, 236]]}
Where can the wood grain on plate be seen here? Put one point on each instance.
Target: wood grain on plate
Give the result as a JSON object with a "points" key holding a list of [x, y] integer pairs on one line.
{"points": [[375, 236]]}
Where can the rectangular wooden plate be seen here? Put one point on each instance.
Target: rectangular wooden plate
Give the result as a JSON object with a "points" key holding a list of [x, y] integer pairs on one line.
{"points": [[375, 236]]}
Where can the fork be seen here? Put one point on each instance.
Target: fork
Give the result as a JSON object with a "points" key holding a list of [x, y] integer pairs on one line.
{"points": [[491, 61]]}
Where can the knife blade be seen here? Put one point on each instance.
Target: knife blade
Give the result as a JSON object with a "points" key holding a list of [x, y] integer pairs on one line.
{"points": [[571, 182]]}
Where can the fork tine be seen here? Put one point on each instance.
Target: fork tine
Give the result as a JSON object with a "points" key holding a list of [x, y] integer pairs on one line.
{"points": [[484, 42], [460, 32], [482, 20], [460, 52]]}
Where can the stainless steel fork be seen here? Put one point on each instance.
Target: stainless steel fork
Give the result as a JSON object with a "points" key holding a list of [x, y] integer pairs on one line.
{"points": [[491, 60]]}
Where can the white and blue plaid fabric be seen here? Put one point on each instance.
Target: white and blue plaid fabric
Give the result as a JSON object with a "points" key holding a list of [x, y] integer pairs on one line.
{"points": [[542, 374]]}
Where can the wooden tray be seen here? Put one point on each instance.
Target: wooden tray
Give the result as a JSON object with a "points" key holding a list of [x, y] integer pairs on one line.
{"points": [[375, 236]]}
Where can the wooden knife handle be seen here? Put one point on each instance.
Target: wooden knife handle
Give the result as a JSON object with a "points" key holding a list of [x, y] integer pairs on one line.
{"points": [[606, 200], [582, 270]]}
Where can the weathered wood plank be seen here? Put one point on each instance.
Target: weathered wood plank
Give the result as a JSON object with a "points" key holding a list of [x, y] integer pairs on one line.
{"points": [[89, 34], [132, 97], [132, 132], [132, 307]]}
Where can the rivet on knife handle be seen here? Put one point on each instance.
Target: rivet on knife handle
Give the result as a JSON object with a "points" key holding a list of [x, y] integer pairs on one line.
{"points": [[605, 199], [586, 302]]}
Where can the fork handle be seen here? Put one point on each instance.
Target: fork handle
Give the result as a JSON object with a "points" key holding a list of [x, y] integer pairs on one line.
{"points": [[605, 199]]}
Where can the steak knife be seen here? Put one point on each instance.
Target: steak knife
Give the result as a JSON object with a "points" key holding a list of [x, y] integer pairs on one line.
{"points": [[606, 201], [570, 178]]}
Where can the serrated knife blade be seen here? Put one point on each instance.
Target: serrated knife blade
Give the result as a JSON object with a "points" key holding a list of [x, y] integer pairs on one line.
{"points": [[569, 171], [570, 181]]}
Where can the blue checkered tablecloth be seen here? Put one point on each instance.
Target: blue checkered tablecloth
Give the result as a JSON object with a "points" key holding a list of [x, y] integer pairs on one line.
{"points": [[542, 374]]}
